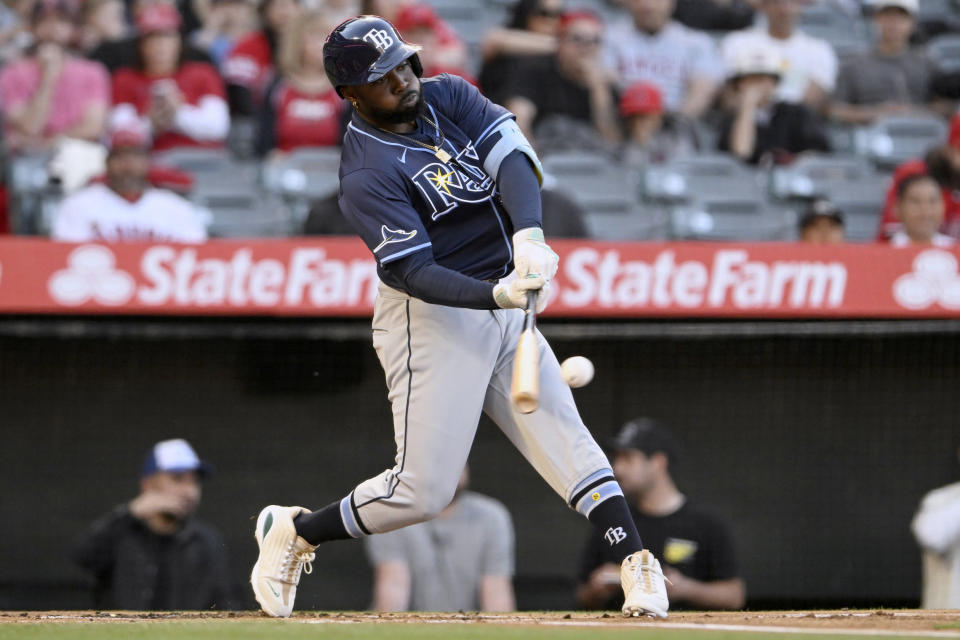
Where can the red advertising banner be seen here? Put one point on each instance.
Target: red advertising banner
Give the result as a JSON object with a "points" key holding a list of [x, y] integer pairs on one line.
{"points": [[337, 277]]}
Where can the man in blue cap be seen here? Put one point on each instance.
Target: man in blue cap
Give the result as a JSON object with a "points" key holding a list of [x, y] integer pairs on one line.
{"points": [[149, 553]]}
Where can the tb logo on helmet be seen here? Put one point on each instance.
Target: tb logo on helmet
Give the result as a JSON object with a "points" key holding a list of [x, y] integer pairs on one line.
{"points": [[378, 38]]}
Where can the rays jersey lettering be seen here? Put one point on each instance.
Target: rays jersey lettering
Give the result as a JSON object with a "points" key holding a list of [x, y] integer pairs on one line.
{"points": [[402, 199], [446, 185]]}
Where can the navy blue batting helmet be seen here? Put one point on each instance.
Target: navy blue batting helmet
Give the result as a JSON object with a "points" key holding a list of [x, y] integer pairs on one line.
{"points": [[363, 49]]}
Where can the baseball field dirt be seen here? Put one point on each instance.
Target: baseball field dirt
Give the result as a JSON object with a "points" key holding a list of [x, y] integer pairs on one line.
{"points": [[759, 625]]}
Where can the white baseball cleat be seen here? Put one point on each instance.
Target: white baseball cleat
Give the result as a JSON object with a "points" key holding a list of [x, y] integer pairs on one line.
{"points": [[643, 586], [283, 555]]}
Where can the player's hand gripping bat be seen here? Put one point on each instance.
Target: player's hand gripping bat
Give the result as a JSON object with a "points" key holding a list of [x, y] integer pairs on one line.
{"points": [[525, 390]]}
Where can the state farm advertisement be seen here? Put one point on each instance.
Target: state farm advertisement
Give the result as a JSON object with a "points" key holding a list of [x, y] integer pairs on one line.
{"points": [[338, 277]]}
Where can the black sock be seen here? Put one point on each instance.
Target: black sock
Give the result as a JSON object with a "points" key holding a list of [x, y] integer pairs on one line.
{"points": [[321, 526], [613, 522]]}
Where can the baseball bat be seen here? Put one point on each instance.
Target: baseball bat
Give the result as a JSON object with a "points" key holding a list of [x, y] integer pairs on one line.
{"points": [[525, 390]]}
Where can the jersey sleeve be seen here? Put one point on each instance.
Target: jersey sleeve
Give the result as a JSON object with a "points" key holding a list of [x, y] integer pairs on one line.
{"points": [[476, 116], [378, 207]]}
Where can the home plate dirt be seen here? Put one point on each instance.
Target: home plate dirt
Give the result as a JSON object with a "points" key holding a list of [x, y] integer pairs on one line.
{"points": [[944, 624]]}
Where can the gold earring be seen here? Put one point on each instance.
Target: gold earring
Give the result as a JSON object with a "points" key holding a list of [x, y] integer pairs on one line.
{"points": [[354, 103]]}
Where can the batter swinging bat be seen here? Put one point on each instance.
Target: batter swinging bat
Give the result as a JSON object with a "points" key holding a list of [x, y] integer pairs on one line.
{"points": [[525, 391]]}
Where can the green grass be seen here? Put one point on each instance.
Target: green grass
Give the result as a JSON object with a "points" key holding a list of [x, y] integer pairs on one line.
{"points": [[298, 630]]}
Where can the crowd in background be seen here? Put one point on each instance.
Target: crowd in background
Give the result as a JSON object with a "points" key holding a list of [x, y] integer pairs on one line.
{"points": [[640, 81]]}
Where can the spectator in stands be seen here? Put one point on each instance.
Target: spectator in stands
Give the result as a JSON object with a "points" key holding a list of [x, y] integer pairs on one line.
{"points": [[810, 64], [715, 15], [150, 553], [696, 546], [225, 22], [760, 127], [462, 560], [531, 31], [301, 109], [447, 44], [103, 21], [822, 223], [943, 163], [652, 134], [249, 67], [51, 93], [920, 210], [14, 32], [890, 80], [682, 63], [937, 529], [180, 103], [420, 23], [125, 206], [571, 86], [125, 53]]}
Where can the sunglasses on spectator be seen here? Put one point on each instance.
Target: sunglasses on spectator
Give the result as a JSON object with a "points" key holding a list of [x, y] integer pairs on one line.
{"points": [[586, 41], [547, 12]]}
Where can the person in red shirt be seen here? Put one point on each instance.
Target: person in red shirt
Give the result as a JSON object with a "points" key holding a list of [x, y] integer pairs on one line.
{"points": [[419, 23], [943, 163], [301, 109], [249, 67], [180, 103], [448, 45]]}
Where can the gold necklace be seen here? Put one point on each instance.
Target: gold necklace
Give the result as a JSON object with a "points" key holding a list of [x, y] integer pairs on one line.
{"points": [[438, 151]]}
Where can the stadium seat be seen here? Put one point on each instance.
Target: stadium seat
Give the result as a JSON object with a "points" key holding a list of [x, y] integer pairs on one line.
{"points": [[894, 140], [846, 33], [861, 202], [732, 219], [194, 159], [944, 51], [817, 175], [302, 176], [29, 185], [633, 222], [593, 179], [712, 176]]}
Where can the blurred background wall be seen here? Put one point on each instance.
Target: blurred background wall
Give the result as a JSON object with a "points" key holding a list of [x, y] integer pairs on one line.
{"points": [[816, 440]]}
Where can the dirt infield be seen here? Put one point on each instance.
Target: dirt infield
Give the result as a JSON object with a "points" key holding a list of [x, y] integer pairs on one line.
{"points": [[943, 623]]}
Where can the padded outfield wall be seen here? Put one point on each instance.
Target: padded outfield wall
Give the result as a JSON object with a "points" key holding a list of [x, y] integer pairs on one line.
{"points": [[815, 438]]}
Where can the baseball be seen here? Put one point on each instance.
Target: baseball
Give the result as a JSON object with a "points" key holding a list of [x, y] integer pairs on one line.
{"points": [[577, 371]]}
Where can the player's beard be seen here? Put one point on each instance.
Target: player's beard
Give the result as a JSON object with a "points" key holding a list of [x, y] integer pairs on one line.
{"points": [[401, 115]]}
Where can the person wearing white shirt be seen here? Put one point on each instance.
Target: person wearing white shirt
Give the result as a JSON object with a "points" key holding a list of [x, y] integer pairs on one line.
{"points": [[810, 64], [125, 207], [936, 527], [680, 62], [920, 208]]}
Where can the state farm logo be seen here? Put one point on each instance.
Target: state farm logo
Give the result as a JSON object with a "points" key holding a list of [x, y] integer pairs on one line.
{"points": [[934, 280], [91, 274], [731, 279], [184, 277]]}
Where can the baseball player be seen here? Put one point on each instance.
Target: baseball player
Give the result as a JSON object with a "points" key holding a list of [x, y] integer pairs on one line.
{"points": [[444, 190]]}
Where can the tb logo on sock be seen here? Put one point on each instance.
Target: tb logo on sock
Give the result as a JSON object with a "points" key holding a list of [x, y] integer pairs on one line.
{"points": [[615, 535]]}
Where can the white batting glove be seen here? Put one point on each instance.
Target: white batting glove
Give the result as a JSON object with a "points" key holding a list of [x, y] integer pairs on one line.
{"points": [[532, 255], [511, 292]]}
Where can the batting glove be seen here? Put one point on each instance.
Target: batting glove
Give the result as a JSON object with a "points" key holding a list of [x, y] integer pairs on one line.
{"points": [[511, 292], [532, 255]]}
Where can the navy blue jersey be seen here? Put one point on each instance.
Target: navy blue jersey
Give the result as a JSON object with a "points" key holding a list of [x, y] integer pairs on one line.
{"points": [[402, 199]]}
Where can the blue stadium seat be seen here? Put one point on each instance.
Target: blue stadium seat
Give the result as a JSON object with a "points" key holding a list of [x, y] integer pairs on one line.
{"points": [[709, 175], [301, 176], [891, 141], [733, 219]]}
